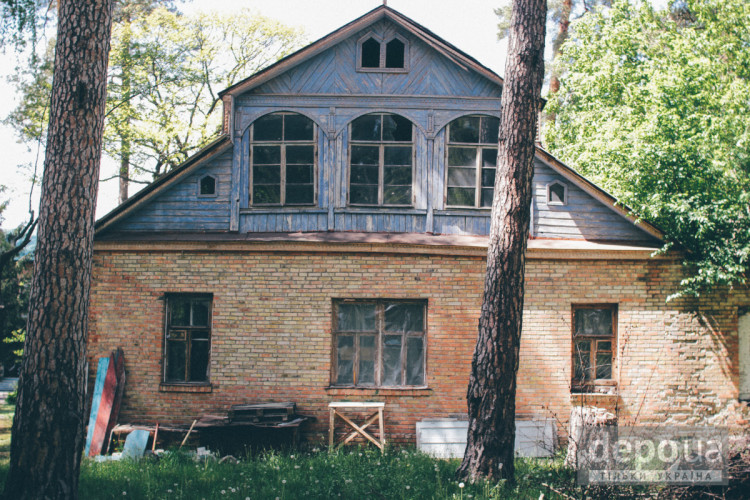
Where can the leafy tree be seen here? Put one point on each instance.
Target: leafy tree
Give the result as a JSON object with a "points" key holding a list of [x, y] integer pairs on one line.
{"points": [[47, 434], [491, 395], [654, 108], [166, 70]]}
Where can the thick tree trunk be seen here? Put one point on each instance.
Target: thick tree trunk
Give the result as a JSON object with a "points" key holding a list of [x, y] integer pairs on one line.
{"points": [[47, 437], [492, 387]]}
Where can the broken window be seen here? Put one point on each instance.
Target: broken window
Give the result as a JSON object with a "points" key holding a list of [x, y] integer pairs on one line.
{"points": [[594, 334], [379, 343], [282, 158], [187, 338], [381, 160], [471, 161]]}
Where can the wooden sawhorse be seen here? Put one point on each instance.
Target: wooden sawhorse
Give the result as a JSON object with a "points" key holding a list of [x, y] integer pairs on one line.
{"points": [[335, 409]]}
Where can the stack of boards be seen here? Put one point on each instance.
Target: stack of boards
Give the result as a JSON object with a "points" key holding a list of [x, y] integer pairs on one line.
{"points": [[105, 405]]}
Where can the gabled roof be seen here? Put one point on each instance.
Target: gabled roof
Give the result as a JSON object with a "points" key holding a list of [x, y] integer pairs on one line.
{"points": [[460, 58], [220, 145], [596, 192]]}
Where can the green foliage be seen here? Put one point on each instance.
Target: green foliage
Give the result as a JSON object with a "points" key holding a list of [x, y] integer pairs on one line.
{"points": [[654, 109]]}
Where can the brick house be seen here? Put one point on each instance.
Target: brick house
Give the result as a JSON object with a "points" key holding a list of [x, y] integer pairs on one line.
{"points": [[330, 245]]}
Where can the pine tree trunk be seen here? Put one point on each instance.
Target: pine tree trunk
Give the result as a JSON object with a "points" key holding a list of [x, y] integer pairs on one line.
{"points": [[47, 437], [492, 386]]}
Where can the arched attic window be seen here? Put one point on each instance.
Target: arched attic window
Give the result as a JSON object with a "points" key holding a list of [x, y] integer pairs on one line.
{"points": [[471, 161], [282, 162], [557, 193], [381, 160], [207, 186], [377, 54]]}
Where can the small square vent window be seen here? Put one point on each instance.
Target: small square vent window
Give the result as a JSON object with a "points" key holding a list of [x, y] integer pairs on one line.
{"points": [[207, 186]]}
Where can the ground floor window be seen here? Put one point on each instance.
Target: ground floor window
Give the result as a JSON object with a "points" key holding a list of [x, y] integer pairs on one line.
{"points": [[379, 343], [187, 338], [594, 334]]}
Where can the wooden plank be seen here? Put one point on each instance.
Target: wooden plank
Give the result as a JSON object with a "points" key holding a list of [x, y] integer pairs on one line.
{"points": [[135, 444], [101, 375], [105, 409]]}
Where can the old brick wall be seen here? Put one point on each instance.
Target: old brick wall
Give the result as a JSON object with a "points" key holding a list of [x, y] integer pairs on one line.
{"points": [[271, 333]]}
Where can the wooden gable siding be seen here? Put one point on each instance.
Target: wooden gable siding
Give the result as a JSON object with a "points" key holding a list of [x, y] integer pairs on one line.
{"points": [[180, 208], [334, 72]]}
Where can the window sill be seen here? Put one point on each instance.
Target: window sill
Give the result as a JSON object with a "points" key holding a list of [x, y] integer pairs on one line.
{"points": [[379, 391], [164, 387], [292, 209], [381, 210], [466, 211], [362, 69]]}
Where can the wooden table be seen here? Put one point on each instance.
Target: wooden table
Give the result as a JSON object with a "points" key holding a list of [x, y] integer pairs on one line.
{"points": [[335, 409]]}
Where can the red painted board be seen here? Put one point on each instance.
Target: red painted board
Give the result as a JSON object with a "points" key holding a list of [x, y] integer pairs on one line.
{"points": [[105, 409], [119, 358]]}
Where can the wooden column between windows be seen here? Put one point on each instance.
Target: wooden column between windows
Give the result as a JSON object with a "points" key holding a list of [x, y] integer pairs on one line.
{"points": [[335, 409]]}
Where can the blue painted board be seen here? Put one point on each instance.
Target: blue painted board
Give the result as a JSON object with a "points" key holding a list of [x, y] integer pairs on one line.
{"points": [[135, 444], [101, 374]]}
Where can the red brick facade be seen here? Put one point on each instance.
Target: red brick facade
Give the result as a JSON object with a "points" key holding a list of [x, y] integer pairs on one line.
{"points": [[272, 341]]}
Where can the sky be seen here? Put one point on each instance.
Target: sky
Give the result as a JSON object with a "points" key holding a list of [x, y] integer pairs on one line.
{"points": [[470, 25]]}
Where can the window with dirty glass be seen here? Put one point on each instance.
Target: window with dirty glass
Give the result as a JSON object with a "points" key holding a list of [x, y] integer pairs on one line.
{"points": [[471, 161], [594, 334], [379, 343], [282, 160], [381, 160], [187, 338]]}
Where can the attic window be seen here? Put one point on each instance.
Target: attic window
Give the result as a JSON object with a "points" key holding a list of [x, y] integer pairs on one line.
{"points": [[207, 186], [378, 55], [557, 193]]}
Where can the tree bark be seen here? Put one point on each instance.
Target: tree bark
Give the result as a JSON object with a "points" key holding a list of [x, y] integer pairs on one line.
{"points": [[47, 437], [492, 386]]}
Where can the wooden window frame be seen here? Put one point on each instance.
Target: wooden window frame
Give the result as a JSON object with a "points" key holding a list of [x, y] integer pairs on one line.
{"points": [[380, 334], [282, 167], [383, 42], [189, 330], [565, 193], [595, 384], [479, 147], [381, 162]]}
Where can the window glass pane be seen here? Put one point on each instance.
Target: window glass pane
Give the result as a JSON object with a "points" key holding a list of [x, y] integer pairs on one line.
{"points": [[596, 322], [364, 195], [392, 360], [489, 133], [487, 194], [556, 193], [364, 174], [198, 360], [299, 174], [200, 313], [366, 374], [300, 194], [397, 175], [488, 177], [463, 177], [397, 195], [267, 195], [179, 311], [396, 128], [404, 317], [268, 128], [463, 197], [208, 185], [176, 361], [366, 128], [300, 155], [414, 361], [604, 365], [345, 359], [365, 155], [462, 157], [370, 53], [582, 360], [356, 317], [397, 155], [464, 129], [266, 155], [298, 128], [394, 54], [199, 335], [489, 157], [267, 174]]}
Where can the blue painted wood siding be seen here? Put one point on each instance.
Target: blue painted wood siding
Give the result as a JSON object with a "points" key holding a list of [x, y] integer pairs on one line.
{"points": [[180, 208]]}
